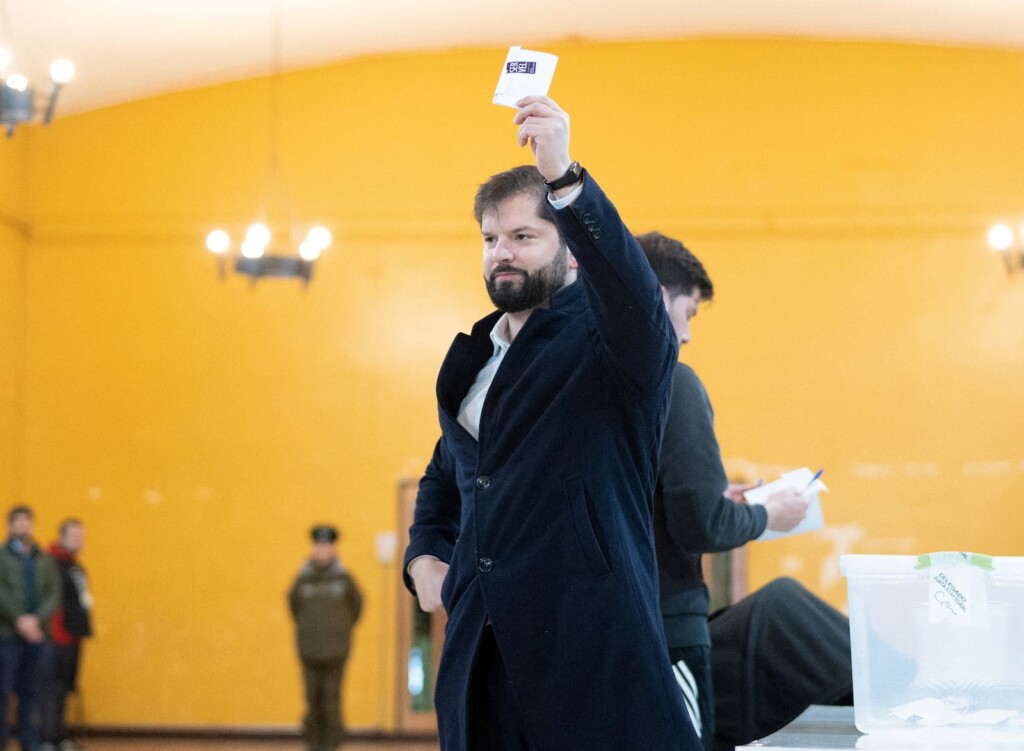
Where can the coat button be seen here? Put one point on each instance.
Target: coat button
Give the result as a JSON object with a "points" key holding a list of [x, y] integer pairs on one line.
{"points": [[485, 565], [483, 482]]}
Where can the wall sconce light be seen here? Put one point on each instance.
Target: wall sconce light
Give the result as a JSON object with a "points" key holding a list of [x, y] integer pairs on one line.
{"points": [[18, 98], [253, 260], [1011, 247]]}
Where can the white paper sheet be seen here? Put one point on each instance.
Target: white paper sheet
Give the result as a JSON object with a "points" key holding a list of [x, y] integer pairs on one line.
{"points": [[798, 480], [938, 712], [525, 73]]}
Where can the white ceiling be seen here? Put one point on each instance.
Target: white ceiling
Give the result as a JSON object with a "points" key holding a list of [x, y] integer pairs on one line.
{"points": [[128, 49]]}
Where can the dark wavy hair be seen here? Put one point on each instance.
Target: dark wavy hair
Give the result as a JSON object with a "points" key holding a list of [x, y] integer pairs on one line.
{"points": [[525, 179], [677, 269]]}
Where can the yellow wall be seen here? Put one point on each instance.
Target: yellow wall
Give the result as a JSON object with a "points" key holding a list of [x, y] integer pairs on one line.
{"points": [[838, 193], [13, 245]]}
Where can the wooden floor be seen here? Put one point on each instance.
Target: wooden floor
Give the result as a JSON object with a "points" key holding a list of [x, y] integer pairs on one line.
{"points": [[129, 744]]}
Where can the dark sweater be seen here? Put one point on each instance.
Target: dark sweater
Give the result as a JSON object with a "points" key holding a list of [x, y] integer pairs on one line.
{"points": [[72, 621], [691, 514]]}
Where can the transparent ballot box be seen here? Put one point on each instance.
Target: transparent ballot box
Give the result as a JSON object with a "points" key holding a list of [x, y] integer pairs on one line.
{"points": [[938, 644]]}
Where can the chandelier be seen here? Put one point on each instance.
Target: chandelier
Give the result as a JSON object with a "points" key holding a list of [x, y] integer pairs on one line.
{"points": [[261, 251], [17, 95]]}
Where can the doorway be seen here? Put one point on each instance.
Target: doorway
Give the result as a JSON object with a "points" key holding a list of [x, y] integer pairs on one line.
{"points": [[420, 637]]}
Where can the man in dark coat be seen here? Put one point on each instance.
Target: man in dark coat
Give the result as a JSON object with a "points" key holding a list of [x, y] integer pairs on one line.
{"points": [[325, 602], [764, 660], [533, 520]]}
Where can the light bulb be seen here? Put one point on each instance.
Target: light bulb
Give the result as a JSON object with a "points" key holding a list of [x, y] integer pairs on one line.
{"points": [[17, 82], [5, 57], [1000, 237], [308, 250], [259, 234], [62, 71], [320, 237], [252, 248], [218, 241]]}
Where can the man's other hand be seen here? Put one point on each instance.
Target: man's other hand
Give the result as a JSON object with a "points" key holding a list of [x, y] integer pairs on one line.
{"points": [[427, 577], [786, 509], [29, 629]]}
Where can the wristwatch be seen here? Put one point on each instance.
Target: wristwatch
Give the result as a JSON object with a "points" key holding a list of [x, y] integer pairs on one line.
{"points": [[571, 176]]}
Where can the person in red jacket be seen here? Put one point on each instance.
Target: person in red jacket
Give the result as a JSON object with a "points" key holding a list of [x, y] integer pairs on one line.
{"points": [[70, 625]]}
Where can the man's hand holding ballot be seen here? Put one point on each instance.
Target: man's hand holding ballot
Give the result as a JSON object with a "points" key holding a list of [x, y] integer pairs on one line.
{"points": [[544, 125], [785, 498]]}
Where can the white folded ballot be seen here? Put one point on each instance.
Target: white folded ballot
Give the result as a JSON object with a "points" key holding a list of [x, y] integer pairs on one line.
{"points": [[802, 480], [525, 73]]}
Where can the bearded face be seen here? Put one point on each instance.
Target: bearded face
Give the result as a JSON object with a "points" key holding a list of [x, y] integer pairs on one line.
{"points": [[513, 289]]}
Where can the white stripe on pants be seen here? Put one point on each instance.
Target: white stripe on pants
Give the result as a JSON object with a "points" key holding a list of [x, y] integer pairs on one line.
{"points": [[688, 686]]}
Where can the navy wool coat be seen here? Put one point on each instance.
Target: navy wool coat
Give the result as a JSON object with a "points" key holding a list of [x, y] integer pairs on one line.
{"points": [[546, 520]]}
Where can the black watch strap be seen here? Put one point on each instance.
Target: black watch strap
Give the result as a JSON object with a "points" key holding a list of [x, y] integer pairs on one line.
{"points": [[571, 176]]}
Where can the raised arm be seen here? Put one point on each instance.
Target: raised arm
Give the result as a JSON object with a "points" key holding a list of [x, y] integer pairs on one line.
{"points": [[624, 294]]}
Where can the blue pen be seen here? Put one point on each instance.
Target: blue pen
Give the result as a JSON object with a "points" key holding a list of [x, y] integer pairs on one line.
{"points": [[813, 480]]}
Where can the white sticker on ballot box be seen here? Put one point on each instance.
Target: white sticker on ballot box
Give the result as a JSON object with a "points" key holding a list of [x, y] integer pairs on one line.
{"points": [[952, 594], [949, 595]]}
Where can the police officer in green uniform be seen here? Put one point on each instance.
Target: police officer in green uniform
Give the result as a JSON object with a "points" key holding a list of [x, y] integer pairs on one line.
{"points": [[325, 602]]}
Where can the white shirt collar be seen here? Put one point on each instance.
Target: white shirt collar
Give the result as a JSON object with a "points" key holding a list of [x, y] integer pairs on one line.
{"points": [[501, 335]]}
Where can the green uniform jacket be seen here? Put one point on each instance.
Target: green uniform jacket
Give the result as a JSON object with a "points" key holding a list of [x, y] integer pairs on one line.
{"points": [[12, 589], [325, 603]]}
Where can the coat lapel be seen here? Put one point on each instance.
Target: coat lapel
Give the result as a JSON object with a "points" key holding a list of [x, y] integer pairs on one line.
{"points": [[467, 355], [470, 352]]}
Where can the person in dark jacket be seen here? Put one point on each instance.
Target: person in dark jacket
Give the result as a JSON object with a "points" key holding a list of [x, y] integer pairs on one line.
{"points": [[697, 511], [29, 595], [325, 602], [70, 625], [532, 524]]}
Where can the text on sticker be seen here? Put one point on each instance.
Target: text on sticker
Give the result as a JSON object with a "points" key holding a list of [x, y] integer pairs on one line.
{"points": [[949, 597], [521, 67]]}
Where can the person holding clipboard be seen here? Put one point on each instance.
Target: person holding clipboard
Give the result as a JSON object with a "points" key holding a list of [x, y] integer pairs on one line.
{"points": [[753, 667]]}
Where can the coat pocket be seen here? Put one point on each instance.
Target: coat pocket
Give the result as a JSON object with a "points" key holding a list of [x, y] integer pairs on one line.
{"points": [[588, 530]]}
